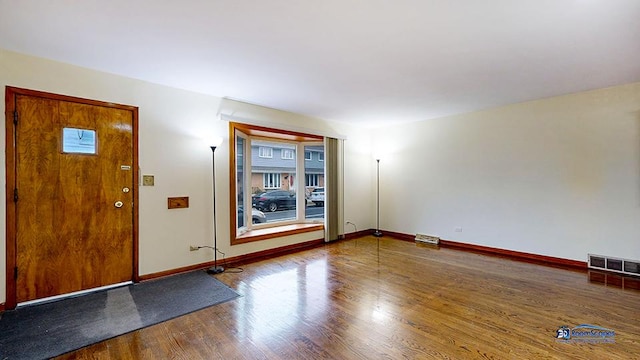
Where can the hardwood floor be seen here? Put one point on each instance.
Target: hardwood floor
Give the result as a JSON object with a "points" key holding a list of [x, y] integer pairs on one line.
{"points": [[344, 301]]}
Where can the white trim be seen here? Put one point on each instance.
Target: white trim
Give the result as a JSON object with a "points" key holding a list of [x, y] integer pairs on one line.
{"points": [[73, 294], [291, 152], [263, 153], [272, 176]]}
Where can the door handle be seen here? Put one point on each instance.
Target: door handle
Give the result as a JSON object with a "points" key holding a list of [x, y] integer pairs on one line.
{"points": [[118, 204]]}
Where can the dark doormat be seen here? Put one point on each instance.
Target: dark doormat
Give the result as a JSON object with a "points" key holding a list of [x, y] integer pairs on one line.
{"points": [[51, 329]]}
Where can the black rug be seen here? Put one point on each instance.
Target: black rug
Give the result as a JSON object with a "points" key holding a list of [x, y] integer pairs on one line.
{"points": [[51, 329]]}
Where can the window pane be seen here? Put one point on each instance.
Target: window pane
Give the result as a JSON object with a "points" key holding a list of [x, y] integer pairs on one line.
{"points": [[287, 154], [311, 180], [265, 152], [240, 180], [314, 182], [273, 179], [78, 141]]}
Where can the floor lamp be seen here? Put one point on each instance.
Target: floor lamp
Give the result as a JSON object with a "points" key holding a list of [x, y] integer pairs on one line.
{"points": [[378, 233], [215, 269]]}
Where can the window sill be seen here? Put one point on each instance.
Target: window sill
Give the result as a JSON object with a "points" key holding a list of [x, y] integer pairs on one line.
{"points": [[274, 232]]}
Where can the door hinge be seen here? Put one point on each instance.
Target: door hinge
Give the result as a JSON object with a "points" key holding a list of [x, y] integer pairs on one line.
{"points": [[15, 195], [15, 117], [15, 272]]}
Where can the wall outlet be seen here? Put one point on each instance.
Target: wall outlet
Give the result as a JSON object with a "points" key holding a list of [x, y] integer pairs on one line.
{"points": [[193, 248], [458, 229]]}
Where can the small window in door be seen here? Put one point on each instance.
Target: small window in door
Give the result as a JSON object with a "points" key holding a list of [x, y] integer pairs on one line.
{"points": [[78, 141]]}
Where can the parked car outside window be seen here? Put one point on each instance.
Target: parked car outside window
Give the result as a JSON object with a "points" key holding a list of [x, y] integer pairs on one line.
{"points": [[317, 196], [274, 200], [257, 216]]}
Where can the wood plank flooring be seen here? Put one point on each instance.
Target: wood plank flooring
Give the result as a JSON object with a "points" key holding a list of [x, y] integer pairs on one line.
{"points": [[348, 300]]}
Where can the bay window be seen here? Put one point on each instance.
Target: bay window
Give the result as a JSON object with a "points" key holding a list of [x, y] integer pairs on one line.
{"points": [[268, 177]]}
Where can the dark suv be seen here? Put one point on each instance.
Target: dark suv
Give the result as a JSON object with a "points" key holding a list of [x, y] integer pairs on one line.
{"points": [[274, 200]]}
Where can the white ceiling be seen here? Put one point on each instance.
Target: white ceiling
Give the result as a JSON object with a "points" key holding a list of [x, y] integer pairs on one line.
{"points": [[368, 62]]}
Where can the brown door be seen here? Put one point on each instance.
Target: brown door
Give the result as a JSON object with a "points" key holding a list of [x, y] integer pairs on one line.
{"points": [[75, 181]]}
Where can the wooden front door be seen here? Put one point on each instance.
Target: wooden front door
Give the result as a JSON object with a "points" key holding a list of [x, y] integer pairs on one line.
{"points": [[74, 170]]}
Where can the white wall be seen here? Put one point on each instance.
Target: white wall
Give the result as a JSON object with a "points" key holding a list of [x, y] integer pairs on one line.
{"points": [[557, 177], [172, 125]]}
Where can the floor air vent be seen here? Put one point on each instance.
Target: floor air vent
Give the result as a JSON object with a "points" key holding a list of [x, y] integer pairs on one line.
{"points": [[427, 239], [623, 266]]}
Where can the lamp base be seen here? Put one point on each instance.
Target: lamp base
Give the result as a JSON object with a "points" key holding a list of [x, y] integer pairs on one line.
{"points": [[215, 270], [377, 233]]}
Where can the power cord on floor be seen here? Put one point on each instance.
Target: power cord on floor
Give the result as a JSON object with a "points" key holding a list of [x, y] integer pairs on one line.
{"points": [[233, 270]]}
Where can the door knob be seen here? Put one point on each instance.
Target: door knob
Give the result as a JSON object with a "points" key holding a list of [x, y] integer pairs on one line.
{"points": [[118, 204], [125, 190]]}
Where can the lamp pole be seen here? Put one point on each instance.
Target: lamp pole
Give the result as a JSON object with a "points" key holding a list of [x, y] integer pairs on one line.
{"points": [[378, 233], [215, 269]]}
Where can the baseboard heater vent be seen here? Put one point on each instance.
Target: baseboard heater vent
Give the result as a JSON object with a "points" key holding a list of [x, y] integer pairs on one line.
{"points": [[615, 264], [427, 239]]}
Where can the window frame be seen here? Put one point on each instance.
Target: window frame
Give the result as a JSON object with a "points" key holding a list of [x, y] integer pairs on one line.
{"points": [[273, 182], [315, 177], [262, 152], [287, 151], [271, 230]]}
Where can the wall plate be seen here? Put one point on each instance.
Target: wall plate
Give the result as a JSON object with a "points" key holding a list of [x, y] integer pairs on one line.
{"points": [[147, 180]]}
